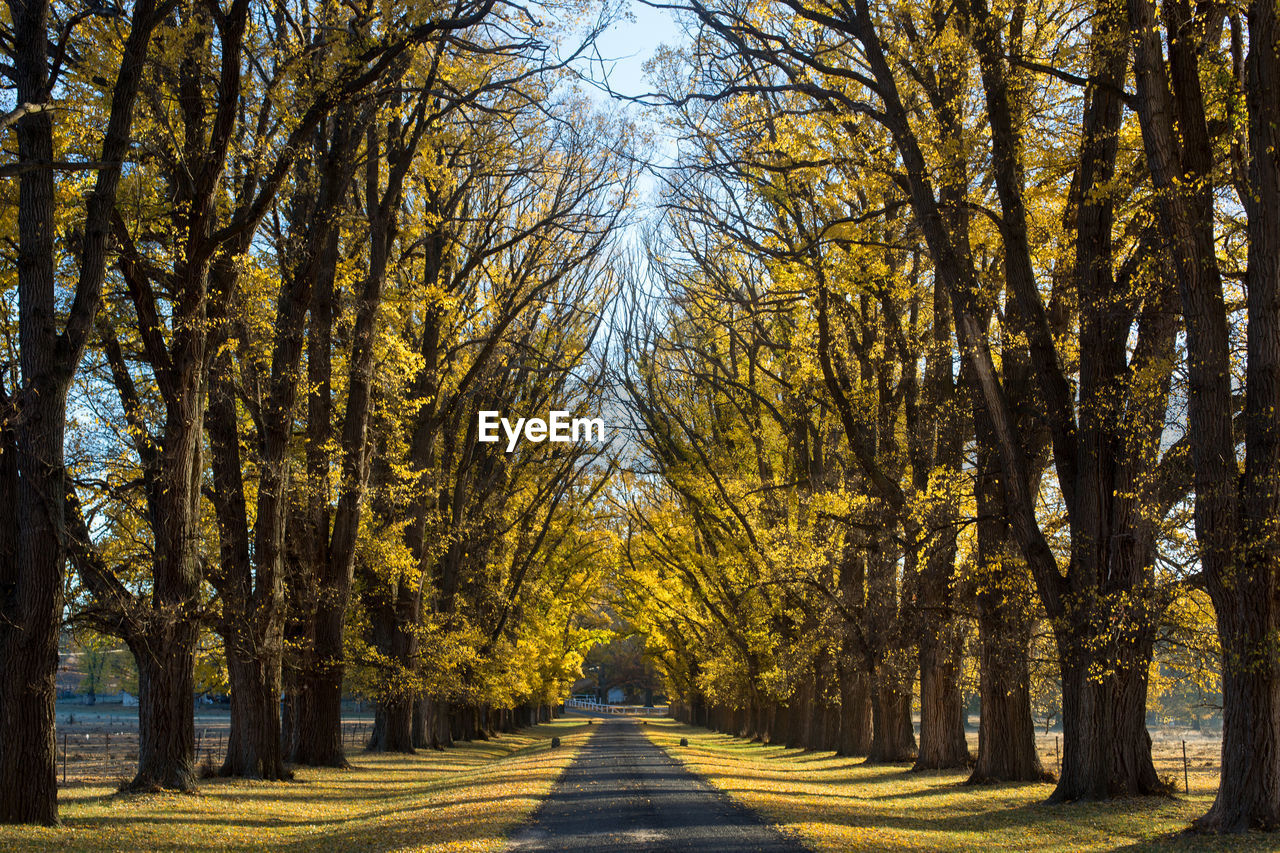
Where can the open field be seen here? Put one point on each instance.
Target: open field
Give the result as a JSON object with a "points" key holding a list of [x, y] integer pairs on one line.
{"points": [[843, 804], [98, 744], [467, 798]]}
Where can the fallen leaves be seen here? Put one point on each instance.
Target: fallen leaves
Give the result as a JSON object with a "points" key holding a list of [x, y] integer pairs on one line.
{"points": [[845, 804], [463, 799]]}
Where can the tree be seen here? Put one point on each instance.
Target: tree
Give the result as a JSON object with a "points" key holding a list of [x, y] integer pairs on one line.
{"points": [[32, 545], [1235, 506]]}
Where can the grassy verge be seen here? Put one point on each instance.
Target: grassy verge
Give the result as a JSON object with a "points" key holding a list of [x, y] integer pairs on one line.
{"points": [[843, 804], [466, 798]]}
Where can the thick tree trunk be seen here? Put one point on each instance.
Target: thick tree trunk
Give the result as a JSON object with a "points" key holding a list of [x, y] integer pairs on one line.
{"points": [[832, 726], [855, 711], [942, 740], [893, 737], [799, 704], [1006, 732], [816, 729], [30, 610], [330, 558], [31, 575], [33, 539], [166, 721], [393, 725], [1106, 751], [253, 745], [777, 722], [851, 672], [941, 644], [1246, 594], [1249, 790], [421, 729], [318, 740], [31, 584], [443, 737]]}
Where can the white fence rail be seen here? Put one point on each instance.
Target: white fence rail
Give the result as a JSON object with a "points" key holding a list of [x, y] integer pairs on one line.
{"points": [[620, 710]]}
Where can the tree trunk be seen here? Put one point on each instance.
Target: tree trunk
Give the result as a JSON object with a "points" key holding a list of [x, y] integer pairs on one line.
{"points": [[253, 746], [444, 731], [393, 725], [1006, 732], [31, 585], [1245, 593], [166, 721], [893, 737], [1249, 790], [1106, 751], [776, 714], [942, 739], [33, 538], [813, 724], [30, 610], [318, 742], [799, 703], [318, 739], [31, 576], [855, 711], [422, 728]]}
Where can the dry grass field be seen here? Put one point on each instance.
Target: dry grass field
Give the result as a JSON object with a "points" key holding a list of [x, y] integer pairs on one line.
{"points": [[472, 797], [468, 798], [843, 804]]}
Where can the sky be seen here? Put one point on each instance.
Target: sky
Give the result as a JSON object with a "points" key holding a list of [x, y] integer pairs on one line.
{"points": [[627, 45]]}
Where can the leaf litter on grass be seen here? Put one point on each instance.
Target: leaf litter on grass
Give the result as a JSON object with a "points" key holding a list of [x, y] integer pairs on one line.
{"points": [[843, 804], [463, 799]]}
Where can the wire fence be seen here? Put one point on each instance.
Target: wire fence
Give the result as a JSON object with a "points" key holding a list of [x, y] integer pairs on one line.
{"points": [[102, 748], [1189, 761]]}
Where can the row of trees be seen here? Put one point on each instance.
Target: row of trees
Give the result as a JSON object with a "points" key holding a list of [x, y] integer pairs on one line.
{"points": [[964, 314], [267, 260]]}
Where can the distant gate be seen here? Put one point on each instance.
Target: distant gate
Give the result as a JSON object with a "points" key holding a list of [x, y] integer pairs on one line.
{"points": [[620, 710]]}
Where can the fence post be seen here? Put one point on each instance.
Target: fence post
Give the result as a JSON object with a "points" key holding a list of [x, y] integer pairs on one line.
{"points": [[64, 758], [1186, 778], [1057, 754]]}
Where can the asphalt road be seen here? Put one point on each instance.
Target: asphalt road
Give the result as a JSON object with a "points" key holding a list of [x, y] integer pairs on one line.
{"points": [[622, 794]]}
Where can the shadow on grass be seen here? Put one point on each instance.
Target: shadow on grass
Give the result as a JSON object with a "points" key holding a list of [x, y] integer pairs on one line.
{"points": [[466, 797], [844, 804], [1195, 841]]}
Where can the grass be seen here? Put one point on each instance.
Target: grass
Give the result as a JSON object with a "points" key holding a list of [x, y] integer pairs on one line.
{"points": [[844, 804], [467, 798]]}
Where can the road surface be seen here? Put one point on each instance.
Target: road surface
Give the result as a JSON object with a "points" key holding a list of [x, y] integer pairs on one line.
{"points": [[622, 794]]}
